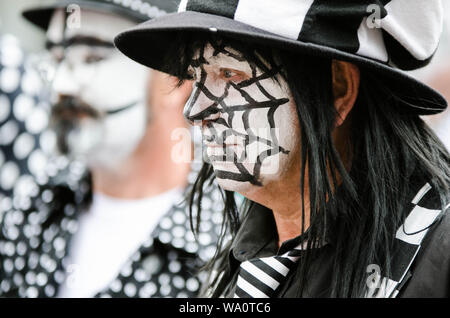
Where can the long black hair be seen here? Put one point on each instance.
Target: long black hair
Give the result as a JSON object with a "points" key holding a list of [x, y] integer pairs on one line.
{"points": [[388, 146]]}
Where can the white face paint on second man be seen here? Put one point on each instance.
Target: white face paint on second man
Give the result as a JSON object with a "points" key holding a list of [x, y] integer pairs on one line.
{"points": [[248, 118], [100, 111]]}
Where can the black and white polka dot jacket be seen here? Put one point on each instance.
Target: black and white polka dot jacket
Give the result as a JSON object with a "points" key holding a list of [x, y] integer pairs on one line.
{"points": [[36, 232], [25, 139]]}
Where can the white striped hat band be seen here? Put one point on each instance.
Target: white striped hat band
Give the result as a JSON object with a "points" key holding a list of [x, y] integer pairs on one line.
{"points": [[404, 33]]}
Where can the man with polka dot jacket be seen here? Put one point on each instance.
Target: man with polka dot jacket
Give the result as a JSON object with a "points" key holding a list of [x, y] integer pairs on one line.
{"points": [[110, 221]]}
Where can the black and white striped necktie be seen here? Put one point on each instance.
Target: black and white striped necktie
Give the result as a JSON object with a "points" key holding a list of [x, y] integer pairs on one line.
{"points": [[260, 277]]}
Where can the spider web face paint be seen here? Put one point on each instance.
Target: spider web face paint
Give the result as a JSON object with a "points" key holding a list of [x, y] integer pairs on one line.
{"points": [[249, 123]]}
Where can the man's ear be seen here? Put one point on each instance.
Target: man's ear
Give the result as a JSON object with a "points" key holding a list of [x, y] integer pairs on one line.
{"points": [[346, 78]]}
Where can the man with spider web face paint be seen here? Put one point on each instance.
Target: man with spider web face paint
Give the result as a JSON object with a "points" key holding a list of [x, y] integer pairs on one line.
{"points": [[117, 228], [357, 204], [243, 116]]}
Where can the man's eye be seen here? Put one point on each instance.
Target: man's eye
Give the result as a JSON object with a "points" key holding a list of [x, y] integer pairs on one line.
{"points": [[90, 59], [228, 73], [232, 75]]}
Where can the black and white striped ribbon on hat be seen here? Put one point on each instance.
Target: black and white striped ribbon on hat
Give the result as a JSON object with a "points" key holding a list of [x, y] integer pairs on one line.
{"points": [[260, 277], [400, 32]]}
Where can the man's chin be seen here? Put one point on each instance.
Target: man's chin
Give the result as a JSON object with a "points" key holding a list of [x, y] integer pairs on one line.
{"points": [[235, 186]]}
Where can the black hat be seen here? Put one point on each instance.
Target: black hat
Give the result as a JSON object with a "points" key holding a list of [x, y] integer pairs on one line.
{"points": [[136, 10], [383, 36]]}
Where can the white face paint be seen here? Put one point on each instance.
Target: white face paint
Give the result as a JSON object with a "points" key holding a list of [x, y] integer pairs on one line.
{"points": [[248, 118], [105, 117]]}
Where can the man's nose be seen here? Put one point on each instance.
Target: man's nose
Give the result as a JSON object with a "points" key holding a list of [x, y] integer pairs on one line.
{"points": [[64, 82], [200, 108]]}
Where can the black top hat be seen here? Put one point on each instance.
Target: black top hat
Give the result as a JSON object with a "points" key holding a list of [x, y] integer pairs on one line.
{"points": [[384, 36], [136, 10]]}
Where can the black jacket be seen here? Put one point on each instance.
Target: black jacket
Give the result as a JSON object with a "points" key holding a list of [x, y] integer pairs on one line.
{"points": [[421, 268]]}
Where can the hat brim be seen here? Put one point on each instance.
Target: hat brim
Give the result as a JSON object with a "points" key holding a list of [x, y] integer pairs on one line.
{"points": [[149, 42], [41, 15]]}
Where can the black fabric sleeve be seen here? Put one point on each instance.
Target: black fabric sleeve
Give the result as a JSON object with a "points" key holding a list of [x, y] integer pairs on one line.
{"points": [[431, 269]]}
